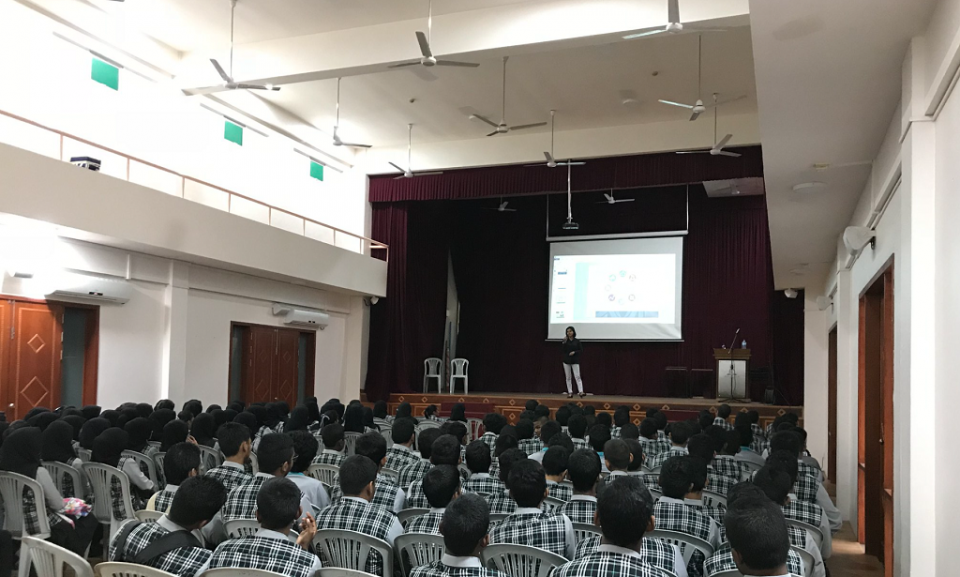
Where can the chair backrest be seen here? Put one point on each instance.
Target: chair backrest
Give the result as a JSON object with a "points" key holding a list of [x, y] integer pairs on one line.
{"points": [[350, 549], [156, 444], [101, 477], [386, 431], [730, 573], [498, 517], [350, 443], [431, 366], [241, 527], [475, 428], [140, 458], [12, 486], [158, 461], [807, 558], [711, 499], [428, 424], [84, 454], [48, 559], [551, 504], [520, 560], [394, 475], [59, 472], [406, 514], [255, 463], [459, 367], [327, 474], [687, 543], [416, 549], [585, 530], [655, 493], [341, 572], [232, 572], [209, 458], [116, 569], [146, 516], [815, 533]]}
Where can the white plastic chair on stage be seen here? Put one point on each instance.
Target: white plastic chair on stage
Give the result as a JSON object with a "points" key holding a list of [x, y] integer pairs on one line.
{"points": [[433, 369], [458, 370]]}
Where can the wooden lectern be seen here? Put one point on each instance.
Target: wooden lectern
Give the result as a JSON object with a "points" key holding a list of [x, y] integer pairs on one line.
{"points": [[732, 367]]}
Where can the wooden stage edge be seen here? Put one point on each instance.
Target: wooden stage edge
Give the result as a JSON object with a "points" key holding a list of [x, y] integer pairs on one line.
{"points": [[512, 404]]}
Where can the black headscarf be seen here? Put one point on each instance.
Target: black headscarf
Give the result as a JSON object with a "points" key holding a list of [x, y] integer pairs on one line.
{"points": [[111, 416], [76, 422], [158, 419], [72, 412], [219, 418], [174, 432], [202, 429], [249, 420], [228, 416], [91, 430], [139, 430], [299, 419], [57, 443], [126, 415], [236, 406], [458, 413], [144, 410], [90, 412], [273, 415], [213, 407], [165, 404], [368, 419], [34, 412], [404, 411], [21, 452], [284, 409], [4, 427], [109, 445], [42, 420], [380, 409], [353, 419], [260, 412], [314, 409]]}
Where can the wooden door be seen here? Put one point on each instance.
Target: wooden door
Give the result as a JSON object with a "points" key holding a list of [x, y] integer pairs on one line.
{"points": [[288, 361], [886, 425], [271, 365], [33, 374], [832, 406], [263, 363]]}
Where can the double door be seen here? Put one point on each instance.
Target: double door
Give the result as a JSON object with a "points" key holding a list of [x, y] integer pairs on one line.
{"points": [[31, 344], [277, 364]]}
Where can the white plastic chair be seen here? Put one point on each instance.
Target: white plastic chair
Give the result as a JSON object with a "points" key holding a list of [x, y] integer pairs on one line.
{"points": [[156, 444], [327, 474], [417, 549], [687, 543], [232, 572], [350, 550], [585, 531], [749, 468], [712, 499], [146, 516], [815, 533], [48, 559], [84, 454], [140, 458], [433, 369], [473, 427], [551, 504], [241, 527], [391, 474], [458, 370], [350, 443], [341, 572], [101, 477], [254, 463], [520, 560], [59, 471], [158, 462], [209, 458], [406, 514], [387, 432], [807, 558], [116, 569], [12, 486]]}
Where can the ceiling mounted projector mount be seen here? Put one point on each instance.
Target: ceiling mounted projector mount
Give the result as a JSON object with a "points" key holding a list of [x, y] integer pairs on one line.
{"points": [[427, 58], [503, 127]]}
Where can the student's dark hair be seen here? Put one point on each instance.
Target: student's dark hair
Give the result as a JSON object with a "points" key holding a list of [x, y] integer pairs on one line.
{"points": [[465, 524], [278, 503], [599, 435], [605, 419], [589, 410], [577, 426], [403, 430], [542, 412], [562, 440], [583, 468], [445, 451], [636, 449], [524, 429], [617, 453], [648, 428], [380, 409], [440, 484], [680, 433], [563, 415], [723, 411], [456, 428], [629, 431], [802, 432], [787, 441], [275, 449], [305, 447], [198, 499], [783, 427], [430, 411], [458, 413], [179, 460], [194, 406], [661, 419], [731, 443], [504, 443], [624, 509], [786, 462], [527, 483], [230, 436], [425, 441], [621, 416], [746, 435], [478, 457], [185, 416], [548, 430], [754, 416], [680, 475], [164, 404], [775, 483], [373, 446], [701, 446], [356, 472], [332, 435], [555, 460], [507, 460], [744, 490], [717, 434], [494, 423], [757, 530], [741, 419], [404, 410], [531, 405], [792, 418]]}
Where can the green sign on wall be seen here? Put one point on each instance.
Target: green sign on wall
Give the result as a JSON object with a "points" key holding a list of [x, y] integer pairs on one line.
{"points": [[105, 73], [233, 132], [316, 170]]}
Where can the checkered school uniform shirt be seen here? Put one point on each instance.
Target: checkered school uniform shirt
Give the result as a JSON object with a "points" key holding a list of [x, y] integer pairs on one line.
{"points": [[242, 501], [722, 561], [810, 513], [138, 503], [716, 513], [328, 457], [384, 496], [654, 447], [440, 569], [362, 517], [806, 487], [266, 550], [579, 443], [719, 483], [414, 472], [230, 475], [502, 502], [164, 498], [482, 484], [534, 528], [427, 523], [530, 446], [31, 516], [609, 562], [651, 480], [661, 458], [720, 422], [657, 553], [675, 515], [580, 509], [491, 440], [560, 491], [184, 562], [399, 456], [728, 466]]}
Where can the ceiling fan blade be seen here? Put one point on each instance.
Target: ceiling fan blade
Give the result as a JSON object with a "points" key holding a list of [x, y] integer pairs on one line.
{"points": [[205, 90], [405, 64], [485, 119], [728, 153], [507, 210], [680, 104], [608, 196], [673, 11], [525, 126], [723, 142], [719, 102], [694, 116], [455, 63], [428, 173], [693, 152], [395, 166], [548, 156], [644, 34], [258, 87], [220, 71], [625, 200], [355, 145], [401, 177], [494, 133], [696, 29], [424, 45], [570, 163]]}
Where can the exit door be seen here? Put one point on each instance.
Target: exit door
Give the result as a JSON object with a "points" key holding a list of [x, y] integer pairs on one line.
{"points": [[275, 364], [30, 345]]}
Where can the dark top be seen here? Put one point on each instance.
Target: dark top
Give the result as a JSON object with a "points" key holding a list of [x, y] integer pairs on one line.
{"points": [[572, 346]]}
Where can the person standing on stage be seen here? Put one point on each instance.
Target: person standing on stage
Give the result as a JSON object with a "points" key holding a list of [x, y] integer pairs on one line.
{"points": [[571, 361]]}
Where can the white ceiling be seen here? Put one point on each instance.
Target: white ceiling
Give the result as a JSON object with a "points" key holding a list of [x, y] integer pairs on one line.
{"points": [[828, 83]]}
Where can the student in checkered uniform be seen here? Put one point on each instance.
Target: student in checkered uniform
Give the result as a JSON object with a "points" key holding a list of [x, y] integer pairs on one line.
{"points": [[107, 449], [725, 463], [493, 423], [723, 417], [503, 502], [778, 476], [389, 495], [681, 478], [305, 447], [652, 444], [616, 459], [624, 514], [621, 416], [702, 446], [236, 446], [808, 487], [441, 485], [464, 529], [416, 471], [680, 433], [635, 468], [195, 504], [333, 445], [747, 454], [555, 467], [528, 525], [529, 442], [480, 480], [355, 512], [445, 451], [758, 537], [506, 440], [583, 468], [577, 429], [181, 462], [272, 548], [401, 454]]}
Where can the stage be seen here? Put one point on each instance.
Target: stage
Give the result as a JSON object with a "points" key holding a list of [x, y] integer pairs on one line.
{"points": [[511, 405]]}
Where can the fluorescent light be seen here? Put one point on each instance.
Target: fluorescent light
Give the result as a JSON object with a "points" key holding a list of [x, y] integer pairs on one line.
{"points": [[808, 186]]}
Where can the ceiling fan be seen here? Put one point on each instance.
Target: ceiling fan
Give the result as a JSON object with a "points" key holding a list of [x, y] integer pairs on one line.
{"points": [[428, 59], [408, 173], [503, 128], [717, 149], [674, 26], [228, 82], [611, 200], [336, 138], [551, 161], [699, 108], [502, 207]]}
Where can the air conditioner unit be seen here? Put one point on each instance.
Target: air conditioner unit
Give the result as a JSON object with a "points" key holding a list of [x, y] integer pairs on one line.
{"points": [[91, 289], [301, 318]]}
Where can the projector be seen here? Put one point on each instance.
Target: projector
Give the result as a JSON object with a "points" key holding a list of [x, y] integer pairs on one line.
{"points": [[570, 225]]}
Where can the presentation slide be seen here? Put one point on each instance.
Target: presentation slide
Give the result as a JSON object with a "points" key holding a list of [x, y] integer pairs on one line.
{"points": [[617, 290]]}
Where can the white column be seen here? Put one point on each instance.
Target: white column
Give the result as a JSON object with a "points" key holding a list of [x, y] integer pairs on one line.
{"points": [[847, 303], [815, 394], [173, 384], [354, 353]]}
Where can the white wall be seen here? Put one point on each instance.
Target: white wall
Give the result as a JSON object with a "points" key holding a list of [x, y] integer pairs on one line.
{"points": [[815, 377]]}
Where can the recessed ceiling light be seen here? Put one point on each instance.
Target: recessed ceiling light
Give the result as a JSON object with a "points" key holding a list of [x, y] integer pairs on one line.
{"points": [[808, 186]]}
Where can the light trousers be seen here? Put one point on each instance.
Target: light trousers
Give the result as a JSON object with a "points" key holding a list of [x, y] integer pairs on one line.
{"points": [[574, 371]]}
